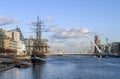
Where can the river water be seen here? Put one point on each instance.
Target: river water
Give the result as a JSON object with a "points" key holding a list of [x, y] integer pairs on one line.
{"points": [[68, 67]]}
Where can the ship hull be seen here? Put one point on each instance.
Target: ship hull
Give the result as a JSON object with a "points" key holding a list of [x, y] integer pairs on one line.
{"points": [[37, 59]]}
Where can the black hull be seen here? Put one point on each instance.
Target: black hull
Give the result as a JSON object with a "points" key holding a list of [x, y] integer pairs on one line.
{"points": [[100, 56], [37, 60]]}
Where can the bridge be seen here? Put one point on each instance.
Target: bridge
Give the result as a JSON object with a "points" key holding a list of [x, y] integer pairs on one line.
{"points": [[86, 54], [60, 54]]}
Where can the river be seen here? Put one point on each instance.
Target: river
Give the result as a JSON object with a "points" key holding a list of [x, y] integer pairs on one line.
{"points": [[68, 67]]}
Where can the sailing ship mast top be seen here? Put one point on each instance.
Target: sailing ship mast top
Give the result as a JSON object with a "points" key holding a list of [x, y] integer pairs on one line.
{"points": [[38, 29]]}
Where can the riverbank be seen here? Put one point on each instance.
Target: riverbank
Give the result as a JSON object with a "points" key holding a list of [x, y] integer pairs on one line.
{"points": [[4, 67], [10, 62]]}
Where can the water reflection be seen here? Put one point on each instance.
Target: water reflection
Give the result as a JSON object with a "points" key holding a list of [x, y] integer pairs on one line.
{"points": [[37, 70], [68, 67]]}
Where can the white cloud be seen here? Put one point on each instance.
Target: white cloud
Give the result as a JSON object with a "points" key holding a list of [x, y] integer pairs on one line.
{"points": [[68, 40], [32, 23], [49, 18], [7, 20], [69, 46], [62, 33], [55, 29], [85, 31]]}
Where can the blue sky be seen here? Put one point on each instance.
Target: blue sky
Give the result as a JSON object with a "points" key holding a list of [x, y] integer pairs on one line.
{"points": [[101, 17]]}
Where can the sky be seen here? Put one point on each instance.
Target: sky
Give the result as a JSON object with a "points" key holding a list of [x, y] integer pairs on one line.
{"points": [[64, 20]]}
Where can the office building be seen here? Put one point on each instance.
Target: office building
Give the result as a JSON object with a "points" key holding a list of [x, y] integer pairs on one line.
{"points": [[98, 43], [115, 48]]}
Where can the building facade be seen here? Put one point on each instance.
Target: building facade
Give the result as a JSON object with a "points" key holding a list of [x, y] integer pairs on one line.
{"points": [[21, 48], [21, 44], [7, 45], [115, 49], [29, 44], [10, 42], [98, 43]]}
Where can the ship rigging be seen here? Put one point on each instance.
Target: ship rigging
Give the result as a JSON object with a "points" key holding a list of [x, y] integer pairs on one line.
{"points": [[40, 45]]}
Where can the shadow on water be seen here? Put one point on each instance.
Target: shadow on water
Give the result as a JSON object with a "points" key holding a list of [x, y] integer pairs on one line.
{"points": [[37, 70]]}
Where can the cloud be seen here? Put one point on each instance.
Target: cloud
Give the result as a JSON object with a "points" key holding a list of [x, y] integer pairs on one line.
{"points": [[68, 39], [55, 29], [69, 46], [75, 44], [62, 33], [45, 20], [7, 20], [32, 23], [49, 18]]}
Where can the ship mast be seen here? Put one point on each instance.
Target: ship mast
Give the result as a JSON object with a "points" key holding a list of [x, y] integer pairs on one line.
{"points": [[38, 30], [37, 47]]}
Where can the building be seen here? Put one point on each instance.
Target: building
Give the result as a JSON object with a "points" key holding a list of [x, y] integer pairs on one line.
{"points": [[21, 44], [115, 49], [102, 48], [12, 40], [8, 46], [16, 36], [98, 43], [29, 45], [21, 48], [21, 37]]}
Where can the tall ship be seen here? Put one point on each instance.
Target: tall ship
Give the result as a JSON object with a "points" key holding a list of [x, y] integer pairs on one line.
{"points": [[40, 45]]}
